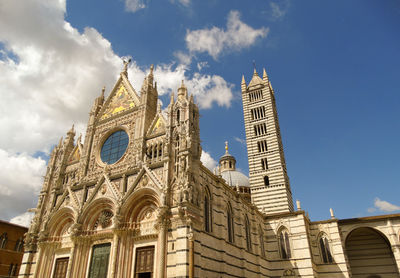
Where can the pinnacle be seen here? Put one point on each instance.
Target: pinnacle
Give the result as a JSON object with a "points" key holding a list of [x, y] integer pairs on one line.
{"points": [[255, 72], [264, 73]]}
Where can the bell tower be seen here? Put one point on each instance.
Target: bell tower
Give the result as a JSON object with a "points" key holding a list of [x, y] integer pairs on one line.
{"points": [[269, 182]]}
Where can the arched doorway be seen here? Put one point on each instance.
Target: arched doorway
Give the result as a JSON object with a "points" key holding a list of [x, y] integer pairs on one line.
{"points": [[370, 255]]}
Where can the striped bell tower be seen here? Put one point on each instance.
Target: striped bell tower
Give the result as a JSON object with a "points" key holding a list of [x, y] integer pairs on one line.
{"points": [[269, 182]]}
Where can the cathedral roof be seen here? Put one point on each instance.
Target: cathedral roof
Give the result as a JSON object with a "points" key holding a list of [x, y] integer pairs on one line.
{"points": [[235, 178]]}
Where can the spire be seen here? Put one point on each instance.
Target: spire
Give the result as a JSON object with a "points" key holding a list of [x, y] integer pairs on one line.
{"points": [[150, 76], [243, 81], [102, 91], [255, 72], [182, 91], [265, 76], [60, 142], [71, 132], [172, 98], [125, 69]]}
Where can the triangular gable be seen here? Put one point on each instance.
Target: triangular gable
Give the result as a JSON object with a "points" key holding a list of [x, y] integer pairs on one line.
{"points": [[104, 183], [121, 98], [75, 155], [153, 180], [157, 126], [73, 200]]}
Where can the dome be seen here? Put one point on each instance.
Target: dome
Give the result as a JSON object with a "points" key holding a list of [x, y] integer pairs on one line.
{"points": [[235, 178], [227, 166]]}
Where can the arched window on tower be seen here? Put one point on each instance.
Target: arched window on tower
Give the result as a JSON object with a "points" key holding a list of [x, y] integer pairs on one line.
{"points": [[284, 244], [3, 240], [229, 217], [325, 250], [207, 211], [248, 233], [266, 180]]}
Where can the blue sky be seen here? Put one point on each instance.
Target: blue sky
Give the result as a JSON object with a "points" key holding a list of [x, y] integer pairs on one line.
{"points": [[334, 65]]}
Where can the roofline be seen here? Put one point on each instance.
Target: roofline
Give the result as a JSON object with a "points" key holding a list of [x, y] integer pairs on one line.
{"points": [[12, 224], [369, 218]]}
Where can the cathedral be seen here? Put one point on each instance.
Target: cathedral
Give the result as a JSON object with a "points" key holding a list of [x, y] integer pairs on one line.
{"points": [[133, 200]]}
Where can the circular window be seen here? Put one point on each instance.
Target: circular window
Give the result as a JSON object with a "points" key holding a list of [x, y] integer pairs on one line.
{"points": [[114, 147]]}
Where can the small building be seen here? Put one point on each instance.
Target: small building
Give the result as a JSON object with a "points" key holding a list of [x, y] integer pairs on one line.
{"points": [[11, 248]]}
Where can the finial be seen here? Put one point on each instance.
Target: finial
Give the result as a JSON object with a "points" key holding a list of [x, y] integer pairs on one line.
{"points": [[298, 205], [103, 90], [243, 81], [332, 214], [126, 63], [172, 97], [226, 146], [79, 138], [71, 132], [60, 142], [151, 68], [182, 91]]}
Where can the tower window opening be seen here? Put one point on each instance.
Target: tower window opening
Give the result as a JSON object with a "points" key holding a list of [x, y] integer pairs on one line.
{"points": [[178, 115], [266, 180], [160, 150], [262, 146], [260, 129], [264, 164], [256, 95]]}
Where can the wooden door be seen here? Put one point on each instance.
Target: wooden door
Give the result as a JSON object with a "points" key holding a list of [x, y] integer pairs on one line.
{"points": [[99, 262], [144, 262], [60, 269]]}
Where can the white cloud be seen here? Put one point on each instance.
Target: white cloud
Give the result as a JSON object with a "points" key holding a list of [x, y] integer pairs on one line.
{"points": [[20, 182], [209, 89], [202, 65], [383, 206], [134, 5], [56, 77], [214, 41], [277, 11], [208, 161], [185, 3], [24, 219], [240, 140]]}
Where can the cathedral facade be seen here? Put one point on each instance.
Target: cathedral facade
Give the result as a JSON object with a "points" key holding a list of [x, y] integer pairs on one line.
{"points": [[134, 200]]}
